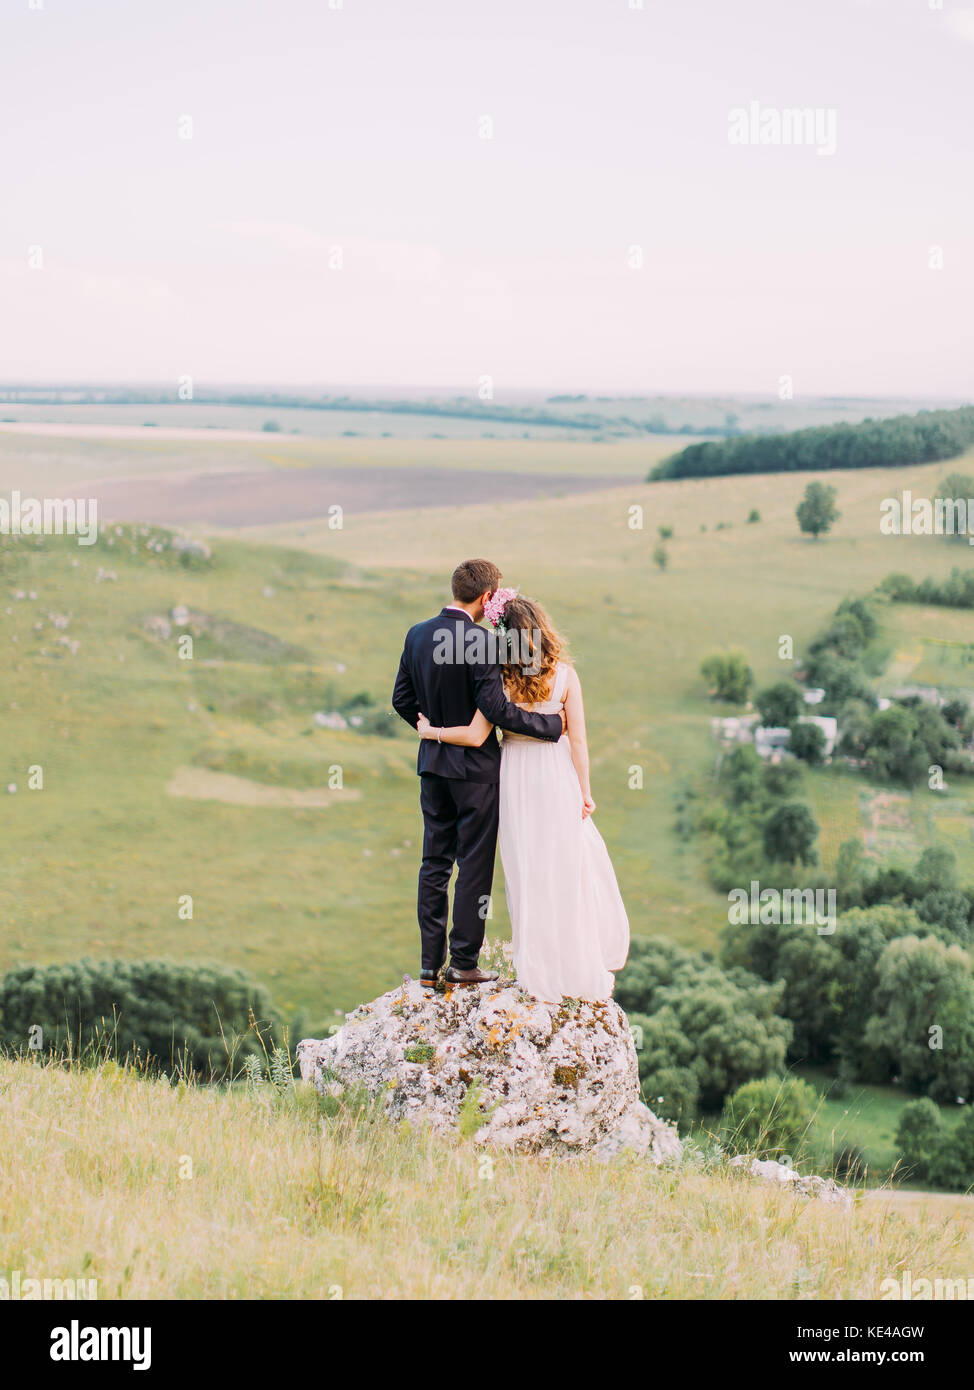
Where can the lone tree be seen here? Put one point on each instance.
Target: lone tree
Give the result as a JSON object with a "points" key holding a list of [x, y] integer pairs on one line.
{"points": [[728, 675], [779, 704], [807, 742], [918, 1137], [817, 510], [790, 833], [954, 487]]}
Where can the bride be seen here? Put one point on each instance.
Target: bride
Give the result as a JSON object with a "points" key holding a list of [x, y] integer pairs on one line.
{"points": [[568, 921]]}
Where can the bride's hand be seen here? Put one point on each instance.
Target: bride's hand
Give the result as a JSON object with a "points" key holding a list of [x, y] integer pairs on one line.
{"points": [[588, 806], [423, 727]]}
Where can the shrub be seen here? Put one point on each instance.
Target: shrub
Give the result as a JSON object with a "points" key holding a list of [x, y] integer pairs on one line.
{"points": [[849, 1164], [905, 740], [812, 971], [955, 592], [769, 1117], [867, 995], [664, 1055], [918, 1137], [672, 1093], [164, 1015], [933, 1153], [817, 510], [789, 834], [956, 487], [923, 985], [780, 704], [900, 587], [841, 678], [953, 1161], [807, 742], [742, 775], [728, 675], [854, 721], [722, 1026], [780, 779], [849, 632]]}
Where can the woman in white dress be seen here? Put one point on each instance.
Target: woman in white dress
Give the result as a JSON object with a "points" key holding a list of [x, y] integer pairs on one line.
{"points": [[568, 920]]}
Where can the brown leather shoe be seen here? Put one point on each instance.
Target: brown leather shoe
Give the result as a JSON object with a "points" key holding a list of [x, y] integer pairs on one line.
{"points": [[454, 976]]}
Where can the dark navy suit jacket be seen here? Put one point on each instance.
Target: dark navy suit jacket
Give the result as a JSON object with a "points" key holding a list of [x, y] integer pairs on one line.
{"points": [[449, 692]]}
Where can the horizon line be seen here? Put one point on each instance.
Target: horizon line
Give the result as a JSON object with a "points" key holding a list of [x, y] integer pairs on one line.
{"points": [[211, 384]]}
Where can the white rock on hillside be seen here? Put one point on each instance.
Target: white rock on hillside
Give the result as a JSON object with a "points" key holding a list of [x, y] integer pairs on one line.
{"points": [[825, 1189], [551, 1077]]}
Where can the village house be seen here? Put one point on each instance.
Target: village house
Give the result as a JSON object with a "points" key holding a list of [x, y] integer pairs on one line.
{"points": [[771, 743]]}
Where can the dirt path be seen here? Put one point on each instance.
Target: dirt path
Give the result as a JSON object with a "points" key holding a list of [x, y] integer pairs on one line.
{"points": [[201, 784], [957, 1206]]}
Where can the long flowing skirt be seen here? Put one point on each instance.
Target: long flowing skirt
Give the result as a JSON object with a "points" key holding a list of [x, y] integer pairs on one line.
{"points": [[569, 924]]}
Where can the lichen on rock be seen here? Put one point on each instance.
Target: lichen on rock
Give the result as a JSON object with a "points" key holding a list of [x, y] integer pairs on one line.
{"points": [[547, 1077]]}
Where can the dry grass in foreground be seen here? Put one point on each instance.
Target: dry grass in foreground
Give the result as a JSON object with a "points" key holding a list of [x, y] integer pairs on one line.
{"points": [[183, 1192]]}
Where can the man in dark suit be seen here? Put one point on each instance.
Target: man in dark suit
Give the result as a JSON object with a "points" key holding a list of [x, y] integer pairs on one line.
{"points": [[459, 785]]}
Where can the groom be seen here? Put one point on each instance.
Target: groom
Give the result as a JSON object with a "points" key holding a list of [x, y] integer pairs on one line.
{"points": [[459, 786]]}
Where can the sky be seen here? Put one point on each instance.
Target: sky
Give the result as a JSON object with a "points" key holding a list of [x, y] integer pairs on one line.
{"points": [[520, 194]]}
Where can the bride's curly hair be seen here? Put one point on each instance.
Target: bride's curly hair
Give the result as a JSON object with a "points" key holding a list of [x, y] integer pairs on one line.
{"points": [[533, 634]]}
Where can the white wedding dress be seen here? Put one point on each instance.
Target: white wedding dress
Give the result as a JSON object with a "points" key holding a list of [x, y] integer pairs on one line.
{"points": [[568, 920]]}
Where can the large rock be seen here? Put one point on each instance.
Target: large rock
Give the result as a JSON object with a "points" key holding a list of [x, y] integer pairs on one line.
{"points": [[521, 1074]]}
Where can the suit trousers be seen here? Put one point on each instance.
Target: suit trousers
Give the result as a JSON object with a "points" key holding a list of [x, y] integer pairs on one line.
{"points": [[459, 826]]}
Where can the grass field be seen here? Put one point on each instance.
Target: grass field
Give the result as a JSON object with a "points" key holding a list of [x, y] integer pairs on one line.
{"points": [[39, 464], [319, 902], [866, 1116], [155, 1200], [139, 748]]}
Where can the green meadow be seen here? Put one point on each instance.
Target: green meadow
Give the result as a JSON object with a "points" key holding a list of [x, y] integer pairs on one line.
{"points": [[153, 765]]}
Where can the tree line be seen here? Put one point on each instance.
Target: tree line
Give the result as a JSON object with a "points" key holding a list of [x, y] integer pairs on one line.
{"points": [[903, 439]]}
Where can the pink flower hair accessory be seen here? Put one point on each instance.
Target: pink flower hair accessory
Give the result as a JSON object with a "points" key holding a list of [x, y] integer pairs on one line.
{"points": [[495, 605]]}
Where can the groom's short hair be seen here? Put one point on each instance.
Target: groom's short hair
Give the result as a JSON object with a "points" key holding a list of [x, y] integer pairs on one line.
{"points": [[473, 578]]}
